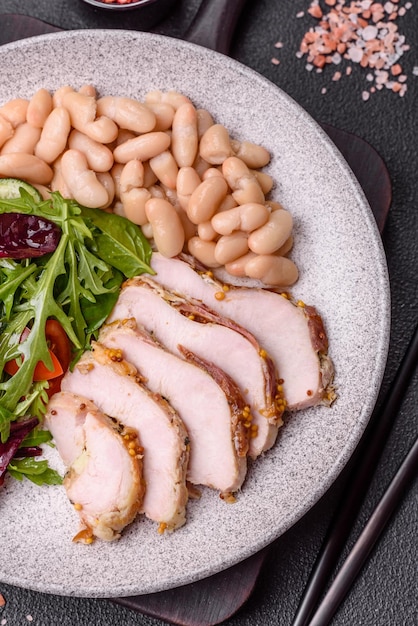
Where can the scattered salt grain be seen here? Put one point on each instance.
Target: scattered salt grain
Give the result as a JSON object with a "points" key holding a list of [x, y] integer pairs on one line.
{"points": [[275, 61], [415, 70], [369, 33], [3, 622], [360, 33], [29, 618]]}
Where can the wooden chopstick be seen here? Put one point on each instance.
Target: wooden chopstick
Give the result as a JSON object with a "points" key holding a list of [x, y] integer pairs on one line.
{"points": [[367, 539], [361, 470]]}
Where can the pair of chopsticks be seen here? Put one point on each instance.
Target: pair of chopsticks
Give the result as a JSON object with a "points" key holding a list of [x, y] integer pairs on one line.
{"points": [[363, 464]]}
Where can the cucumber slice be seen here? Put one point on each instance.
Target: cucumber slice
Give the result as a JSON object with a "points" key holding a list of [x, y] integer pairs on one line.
{"points": [[10, 188]]}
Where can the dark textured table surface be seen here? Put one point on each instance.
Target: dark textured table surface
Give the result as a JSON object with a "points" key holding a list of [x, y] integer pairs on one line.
{"points": [[385, 594]]}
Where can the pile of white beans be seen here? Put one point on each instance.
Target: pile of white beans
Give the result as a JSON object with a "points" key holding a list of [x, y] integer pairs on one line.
{"points": [[163, 164]]}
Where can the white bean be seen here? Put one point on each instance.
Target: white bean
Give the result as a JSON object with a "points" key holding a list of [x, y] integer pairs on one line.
{"points": [[123, 135], [164, 114], [264, 180], [118, 208], [102, 130], [165, 168], [286, 247], [253, 155], [99, 157], [43, 190], [200, 165], [133, 202], [106, 179], [149, 176], [246, 217], [204, 121], [203, 251], [25, 166], [59, 94], [144, 147], [15, 111], [277, 271], [188, 226], [116, 173], [167, 228], [147, 230], [243, 183], [39, 107], [212, 171], [58, 183], [131, 176], [228, 203], [187, 181], [206, 198], [54, 135], [184, 140], [270, 237], [237, 267], [215, 145], [127, 113], [24, 139], [82, 108], [249, 192], [82, 181], [88, 90], [231, 247], [174, 98], [206, 231]]}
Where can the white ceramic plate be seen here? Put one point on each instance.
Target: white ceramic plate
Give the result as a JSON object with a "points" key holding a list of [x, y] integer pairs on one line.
{"points": [[343, 272]]}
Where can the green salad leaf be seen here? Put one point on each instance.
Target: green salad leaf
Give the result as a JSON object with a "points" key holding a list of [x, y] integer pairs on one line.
{"points": [[118, 243], [77, 284], [37, 472]]}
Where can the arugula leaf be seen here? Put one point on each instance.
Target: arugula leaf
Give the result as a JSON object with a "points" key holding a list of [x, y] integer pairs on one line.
{"points": [[12, 275]]}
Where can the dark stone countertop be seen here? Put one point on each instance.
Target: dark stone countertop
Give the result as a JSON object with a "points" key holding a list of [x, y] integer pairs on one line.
{"points": [[385, 593]]}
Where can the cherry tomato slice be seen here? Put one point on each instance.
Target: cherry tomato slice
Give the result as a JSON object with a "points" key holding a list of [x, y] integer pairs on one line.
{"points": [[41, 372], [58, 342], [60, 345], [59, 350]]}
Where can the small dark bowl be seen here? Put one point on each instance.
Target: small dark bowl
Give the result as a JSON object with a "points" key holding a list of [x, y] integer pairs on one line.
{"points": [[115, 6], [147, 12]]}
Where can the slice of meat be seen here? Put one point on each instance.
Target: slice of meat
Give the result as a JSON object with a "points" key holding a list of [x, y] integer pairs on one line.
{"points": [[178, 321], [115, 387], [214, 418], [103, 479], [292, 333]]}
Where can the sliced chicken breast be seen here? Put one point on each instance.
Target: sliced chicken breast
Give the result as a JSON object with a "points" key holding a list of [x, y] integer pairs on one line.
{"points": [[292, 334], [179, 321], [104, 466], [214, 418], [116, 388]]}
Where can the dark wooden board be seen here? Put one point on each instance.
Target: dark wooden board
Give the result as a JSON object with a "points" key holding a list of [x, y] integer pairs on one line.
{"points": [[213, 600]]}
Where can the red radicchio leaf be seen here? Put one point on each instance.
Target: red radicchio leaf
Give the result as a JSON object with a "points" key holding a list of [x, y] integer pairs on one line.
{"points": [[18, 431]]}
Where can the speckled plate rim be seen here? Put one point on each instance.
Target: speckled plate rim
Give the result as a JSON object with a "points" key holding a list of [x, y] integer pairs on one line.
{"points": [[343, 272]]}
